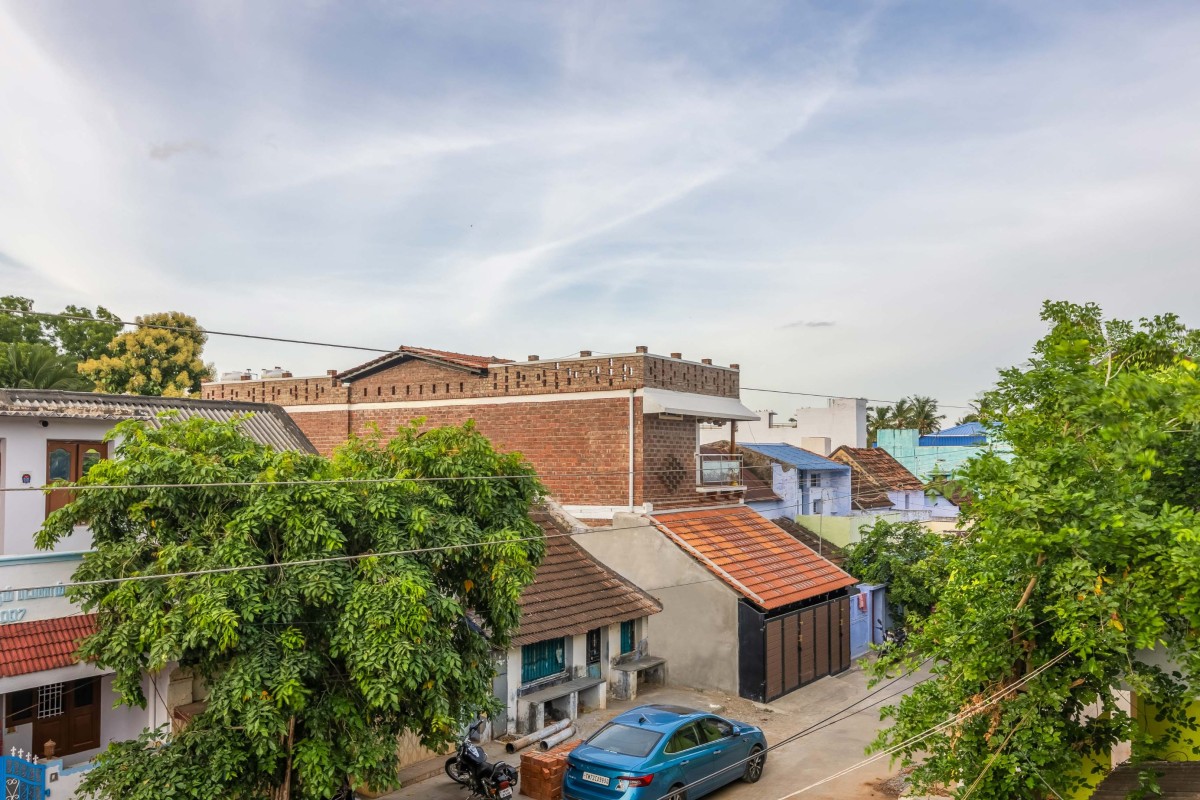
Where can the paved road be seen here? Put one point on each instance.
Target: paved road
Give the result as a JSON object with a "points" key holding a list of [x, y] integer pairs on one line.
{"points": [[789, 768]]}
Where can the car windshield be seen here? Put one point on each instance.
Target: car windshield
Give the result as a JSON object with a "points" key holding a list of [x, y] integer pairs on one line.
{"points": [[625, 739]]}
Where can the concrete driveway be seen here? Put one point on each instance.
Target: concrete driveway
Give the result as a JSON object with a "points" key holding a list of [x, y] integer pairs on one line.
{"points": [[789, 768]]}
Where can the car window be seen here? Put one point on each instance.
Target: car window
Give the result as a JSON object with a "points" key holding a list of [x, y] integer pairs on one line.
{"points": [[685, 738], [714, 729], [625, 739]]}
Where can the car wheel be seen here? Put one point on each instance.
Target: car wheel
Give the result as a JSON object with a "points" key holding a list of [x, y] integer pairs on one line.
{"points": [[677, 793], [456, 774], [754, 767]]}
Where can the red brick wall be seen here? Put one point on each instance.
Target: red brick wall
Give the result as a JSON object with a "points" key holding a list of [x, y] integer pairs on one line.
{"points": [[422, 380], [579, 447]]}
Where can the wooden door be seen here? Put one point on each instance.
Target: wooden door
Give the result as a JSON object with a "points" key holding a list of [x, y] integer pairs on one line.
{"points": [[821, 639], [808, 651], [69, 715], [774, 659]]}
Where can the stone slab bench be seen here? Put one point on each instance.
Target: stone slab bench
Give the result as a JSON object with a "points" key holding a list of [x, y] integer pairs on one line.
{"points": [[531, 708], [625, 677]]}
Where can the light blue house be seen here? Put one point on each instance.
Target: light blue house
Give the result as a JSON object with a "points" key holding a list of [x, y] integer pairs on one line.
{"points": [[941, 453], [803, 482]]}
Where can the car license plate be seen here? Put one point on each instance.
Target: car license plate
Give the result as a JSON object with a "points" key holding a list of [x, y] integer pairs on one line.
{"points": [[506, 791], [600, 779]]}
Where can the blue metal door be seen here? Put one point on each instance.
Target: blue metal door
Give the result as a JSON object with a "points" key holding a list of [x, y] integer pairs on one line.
{"points": [[23, 780], [860, 624]]}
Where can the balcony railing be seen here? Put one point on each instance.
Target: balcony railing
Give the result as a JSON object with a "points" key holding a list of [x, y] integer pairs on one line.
{"points": [[714, 470]]}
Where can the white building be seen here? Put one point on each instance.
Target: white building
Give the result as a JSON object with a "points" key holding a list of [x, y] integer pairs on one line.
{"points": [[46, 695], [842, 422], [803, 482]]}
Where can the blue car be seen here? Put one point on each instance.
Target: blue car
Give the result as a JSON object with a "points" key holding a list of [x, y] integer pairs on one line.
{"points": [[662, 752]]}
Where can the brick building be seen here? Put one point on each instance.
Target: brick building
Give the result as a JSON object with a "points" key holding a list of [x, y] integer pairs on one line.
{"points": [[606, 433]]}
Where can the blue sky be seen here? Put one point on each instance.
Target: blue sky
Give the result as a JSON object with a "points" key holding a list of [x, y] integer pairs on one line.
{"points": [[855, 198]]}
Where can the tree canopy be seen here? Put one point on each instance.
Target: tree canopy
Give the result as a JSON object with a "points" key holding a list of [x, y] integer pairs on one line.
{"points": [[916, 412], [1081, 559], [160, 357], [38, 366], [313, 671], [907, 556]]}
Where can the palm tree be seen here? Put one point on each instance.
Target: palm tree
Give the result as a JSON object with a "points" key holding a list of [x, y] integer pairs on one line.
{"points": [[923, 415], [38, 366], [879, 417]]}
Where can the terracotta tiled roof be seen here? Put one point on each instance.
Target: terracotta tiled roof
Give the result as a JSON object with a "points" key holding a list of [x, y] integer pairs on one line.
{"points": [[813, 541], [1177, 780], [574, 593], [760, 560], [873, 473], [41, 645], [403, 352]]}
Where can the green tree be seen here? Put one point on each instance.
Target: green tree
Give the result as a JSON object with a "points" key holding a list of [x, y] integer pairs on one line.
{"points": [[84, 339], [162, 356], [20, 327], [908, 557], [923, 415], [1083, 555], [879, 417], [313, 671], [38, 366]]}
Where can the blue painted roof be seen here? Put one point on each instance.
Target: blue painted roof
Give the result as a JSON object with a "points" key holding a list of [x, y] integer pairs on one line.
{"points": [[795, 456], [969, 433]]}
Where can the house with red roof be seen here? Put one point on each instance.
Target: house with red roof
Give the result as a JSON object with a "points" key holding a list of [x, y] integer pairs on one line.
{"points": [[746, 607], [46, 694]]}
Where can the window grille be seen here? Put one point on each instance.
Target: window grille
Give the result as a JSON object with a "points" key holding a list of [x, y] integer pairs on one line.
{"points": [[50, 700]]}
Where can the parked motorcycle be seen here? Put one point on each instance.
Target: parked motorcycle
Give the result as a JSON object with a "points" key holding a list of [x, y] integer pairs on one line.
{"points": [[469, 766], [892, 637]]}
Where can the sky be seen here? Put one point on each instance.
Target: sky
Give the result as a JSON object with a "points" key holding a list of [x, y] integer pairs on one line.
{"points": [[864, 199]]}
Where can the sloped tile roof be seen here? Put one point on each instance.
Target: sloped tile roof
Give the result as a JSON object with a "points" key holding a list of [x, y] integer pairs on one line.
{"points": [[760, 560], [873, 473], [269, 424], [813, 541], [43, 644], [573, 592], [477, 363]]}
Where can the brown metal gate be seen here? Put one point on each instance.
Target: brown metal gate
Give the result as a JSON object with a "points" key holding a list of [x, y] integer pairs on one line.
{"points": [[802, 646]]}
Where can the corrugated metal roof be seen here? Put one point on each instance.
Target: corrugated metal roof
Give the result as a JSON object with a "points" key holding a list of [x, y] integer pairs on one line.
{"points": [[796, 456], [756, 557], [573, 592], [269, 424], [969, 433]]}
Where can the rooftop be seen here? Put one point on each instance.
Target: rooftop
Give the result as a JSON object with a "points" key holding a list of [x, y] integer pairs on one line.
{"points": [[874, 473], [969, 433], [407, 352], [44, 644], [760, 560], [269, 424], [573, 592], [795, 456]]}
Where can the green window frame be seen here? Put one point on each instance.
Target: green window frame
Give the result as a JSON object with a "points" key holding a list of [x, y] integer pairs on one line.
{"points": [[628, 637], [543, 659]]}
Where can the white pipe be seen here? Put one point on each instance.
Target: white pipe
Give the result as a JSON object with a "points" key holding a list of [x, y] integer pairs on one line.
{"points": [[632, 392], [557, 738], [536, 736]]}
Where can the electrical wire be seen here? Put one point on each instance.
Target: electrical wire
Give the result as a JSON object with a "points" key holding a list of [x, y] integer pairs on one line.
{"points": [[360, 556], [539, 364]]}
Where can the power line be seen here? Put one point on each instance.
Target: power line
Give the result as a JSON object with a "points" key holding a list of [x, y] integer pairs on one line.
{"points": [[537, 365], [135, 324]]}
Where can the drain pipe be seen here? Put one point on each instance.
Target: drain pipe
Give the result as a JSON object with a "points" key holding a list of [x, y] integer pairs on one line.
{"points": [[632, 392]]}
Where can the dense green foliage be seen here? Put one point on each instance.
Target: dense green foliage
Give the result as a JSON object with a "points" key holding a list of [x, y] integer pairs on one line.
{"points": [[916, 413], [318, 666], [161, 357], [38, 366], [1085, 546], [908, 557]]}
